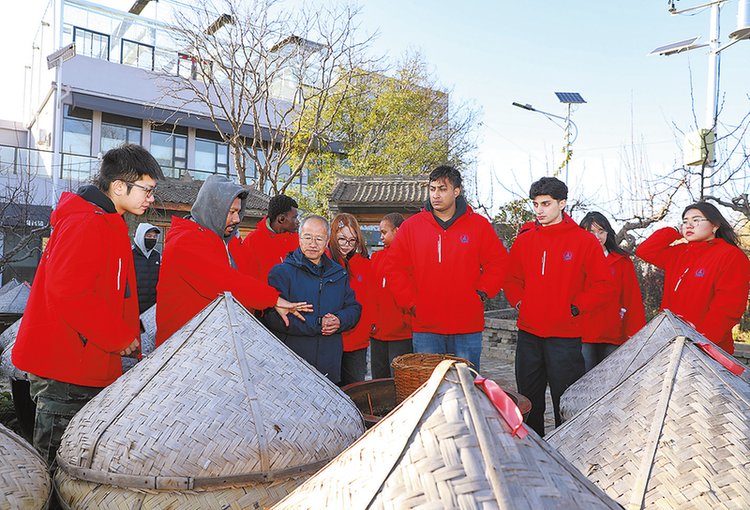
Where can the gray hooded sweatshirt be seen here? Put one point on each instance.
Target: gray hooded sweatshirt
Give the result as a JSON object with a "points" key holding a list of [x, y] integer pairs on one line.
{"points": [[211, 208]]}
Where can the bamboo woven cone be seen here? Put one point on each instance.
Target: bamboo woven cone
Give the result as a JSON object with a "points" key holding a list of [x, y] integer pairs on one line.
{"points": [[9, 286], [24, 481], [148, 338], [446, 446], [8, 339], [675, 434], [619, 365], [222, 415], [14, 301]]}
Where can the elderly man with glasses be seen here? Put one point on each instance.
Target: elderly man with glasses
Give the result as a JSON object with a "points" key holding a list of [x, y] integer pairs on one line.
{"points": [[308, 275]]}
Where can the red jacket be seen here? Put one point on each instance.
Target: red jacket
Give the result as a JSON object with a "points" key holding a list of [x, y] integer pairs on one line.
{"points": [[361, 283], [83, 306], [195, 269], [705, 283], [552, 268], [439, 271], [391, 321], [605, 324], [265, 248]]}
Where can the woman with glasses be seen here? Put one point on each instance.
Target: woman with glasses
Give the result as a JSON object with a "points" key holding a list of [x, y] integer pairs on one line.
{"points": [[347, 247], [706, 275], [606, 328]]}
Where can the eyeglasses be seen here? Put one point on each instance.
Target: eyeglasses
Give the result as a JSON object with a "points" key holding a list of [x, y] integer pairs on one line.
{"points": [[694, 222], [149, 191], [347, 242], [319, 240]]}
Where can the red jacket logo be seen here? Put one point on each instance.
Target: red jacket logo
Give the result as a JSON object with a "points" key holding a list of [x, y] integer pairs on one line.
{"points": [[568, 255], [464, 238], [700, 273]]}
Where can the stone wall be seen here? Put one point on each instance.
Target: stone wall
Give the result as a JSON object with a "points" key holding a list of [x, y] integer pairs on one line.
{"points": [[500, 335]]}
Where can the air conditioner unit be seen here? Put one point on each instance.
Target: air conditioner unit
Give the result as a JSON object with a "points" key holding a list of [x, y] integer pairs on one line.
{"points": [[699, 147]]}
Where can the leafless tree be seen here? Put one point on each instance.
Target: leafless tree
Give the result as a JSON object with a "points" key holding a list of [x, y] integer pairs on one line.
{"points": [[21, 227], [256, 68]]}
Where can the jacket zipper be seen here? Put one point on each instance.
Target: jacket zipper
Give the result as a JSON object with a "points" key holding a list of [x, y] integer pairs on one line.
{"points": [[119, 272], [440, 250], [680, 280], [544, 261]]}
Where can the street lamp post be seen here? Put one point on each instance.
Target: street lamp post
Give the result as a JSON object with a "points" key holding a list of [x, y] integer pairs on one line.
{"points": [[568, 98]]}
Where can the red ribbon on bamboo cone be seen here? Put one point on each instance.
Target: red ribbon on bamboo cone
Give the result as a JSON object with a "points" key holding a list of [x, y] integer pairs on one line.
{"points": [[505, 405], [718, 356]]}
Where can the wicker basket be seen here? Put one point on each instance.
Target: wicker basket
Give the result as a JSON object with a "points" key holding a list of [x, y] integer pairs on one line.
{"points": [[412, 370], [447, 446], [24, 482], [7, 368], [222, 415]]}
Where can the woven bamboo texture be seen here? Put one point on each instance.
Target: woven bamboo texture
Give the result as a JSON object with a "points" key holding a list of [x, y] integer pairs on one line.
{"points": [[24, 482], [148, 338], [446, 446], [9, 286], [675, 434], [13, 302], [8, 336], [222, 415], [619, 365], [414, 369], [7, 368]]}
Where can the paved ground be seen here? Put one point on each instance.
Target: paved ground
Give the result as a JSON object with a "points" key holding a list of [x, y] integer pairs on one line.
{"points": [[503, 373]]}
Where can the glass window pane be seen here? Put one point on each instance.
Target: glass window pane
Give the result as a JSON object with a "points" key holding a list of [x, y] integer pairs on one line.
{"points": [[205, 155]]}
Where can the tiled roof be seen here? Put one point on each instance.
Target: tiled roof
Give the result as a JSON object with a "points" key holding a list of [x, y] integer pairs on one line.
{"points": [[385, 189], [186, 191]]}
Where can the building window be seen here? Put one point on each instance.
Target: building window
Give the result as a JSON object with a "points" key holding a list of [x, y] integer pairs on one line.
{"points": [[169, 147], [117, 130], [211, 154], [137, 55], [90, 43], [77, 127], [192, 68]]}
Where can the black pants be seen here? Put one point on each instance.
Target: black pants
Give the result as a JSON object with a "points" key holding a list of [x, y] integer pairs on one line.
{"points": [[382, 354], [553, 360], [353, 366]]}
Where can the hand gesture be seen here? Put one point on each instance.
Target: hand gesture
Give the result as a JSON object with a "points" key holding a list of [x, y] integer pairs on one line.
{"points": [[284, 308]]}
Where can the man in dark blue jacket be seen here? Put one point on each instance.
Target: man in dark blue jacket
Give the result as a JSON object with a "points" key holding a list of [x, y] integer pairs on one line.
{"points": [[307, 274]]}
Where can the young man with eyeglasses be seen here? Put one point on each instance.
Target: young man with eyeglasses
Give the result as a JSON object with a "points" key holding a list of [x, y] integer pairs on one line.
{"points": [[308, 274], [203, 258], [443, 262], [275, 236], [82, 314]]}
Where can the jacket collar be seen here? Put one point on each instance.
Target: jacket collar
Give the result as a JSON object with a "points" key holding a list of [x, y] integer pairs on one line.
{"points": [[462, 207]]}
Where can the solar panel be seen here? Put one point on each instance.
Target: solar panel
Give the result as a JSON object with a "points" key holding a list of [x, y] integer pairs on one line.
{"points": [[569, 97], [677, 47]]}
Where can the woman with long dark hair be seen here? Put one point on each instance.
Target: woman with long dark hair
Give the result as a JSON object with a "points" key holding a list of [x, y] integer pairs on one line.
{"points": [[609, 326], [706, 275], [348, 248]]}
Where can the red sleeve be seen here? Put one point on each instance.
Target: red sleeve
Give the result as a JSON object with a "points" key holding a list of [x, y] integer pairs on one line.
{"points": [[653, 250], [76, 282], [729, 299], [631, 300], [209, 274], [514, 281], [399, 269], [251, 264], [493, 259]]}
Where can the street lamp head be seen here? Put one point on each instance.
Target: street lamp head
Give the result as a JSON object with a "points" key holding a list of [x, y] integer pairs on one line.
{"points": [[525, 106]]}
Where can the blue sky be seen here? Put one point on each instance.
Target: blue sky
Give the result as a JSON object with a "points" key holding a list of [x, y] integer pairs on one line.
{"points": [[498, 52]]}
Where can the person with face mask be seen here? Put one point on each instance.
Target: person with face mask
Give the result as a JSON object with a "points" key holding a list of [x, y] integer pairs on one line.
{"points": [[202, 259], [147, 261]]}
